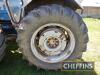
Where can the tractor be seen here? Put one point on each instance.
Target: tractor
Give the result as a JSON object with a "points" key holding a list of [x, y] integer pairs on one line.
{"points": [[48, 32]]}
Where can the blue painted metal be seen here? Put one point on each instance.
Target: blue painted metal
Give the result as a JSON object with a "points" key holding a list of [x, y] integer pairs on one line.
{"points": [[5, 23], [3, 12]]}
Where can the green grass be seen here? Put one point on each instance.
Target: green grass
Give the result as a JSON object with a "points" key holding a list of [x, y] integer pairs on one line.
{"points": [[13, 64], [93, 24], [93, 52]]}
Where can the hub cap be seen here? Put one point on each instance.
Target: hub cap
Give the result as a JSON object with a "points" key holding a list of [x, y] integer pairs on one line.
{"points": [[52, 43]]}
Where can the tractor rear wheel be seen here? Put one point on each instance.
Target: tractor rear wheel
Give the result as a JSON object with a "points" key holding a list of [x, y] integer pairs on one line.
{"points": [[52, 34]]}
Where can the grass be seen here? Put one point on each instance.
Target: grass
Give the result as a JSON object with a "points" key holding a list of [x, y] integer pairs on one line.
{"points": [[13, 64], [93, 52]]}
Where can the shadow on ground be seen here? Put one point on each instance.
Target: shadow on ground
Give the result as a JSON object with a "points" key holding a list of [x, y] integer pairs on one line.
{"points": [[13, 64]]}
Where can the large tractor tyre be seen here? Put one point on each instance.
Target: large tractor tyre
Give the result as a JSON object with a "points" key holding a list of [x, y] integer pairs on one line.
{"points": [[2, 46], [52, 34]]}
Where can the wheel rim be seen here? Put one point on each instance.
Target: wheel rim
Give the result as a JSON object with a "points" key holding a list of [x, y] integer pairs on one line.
{"points": [[52, 43]]}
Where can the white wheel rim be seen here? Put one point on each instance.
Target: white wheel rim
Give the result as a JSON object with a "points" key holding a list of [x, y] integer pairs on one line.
{"points": [[56, 51]]}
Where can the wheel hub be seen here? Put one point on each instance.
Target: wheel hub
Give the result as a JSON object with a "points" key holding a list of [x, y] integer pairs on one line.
{"points": [[52, 42]]}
